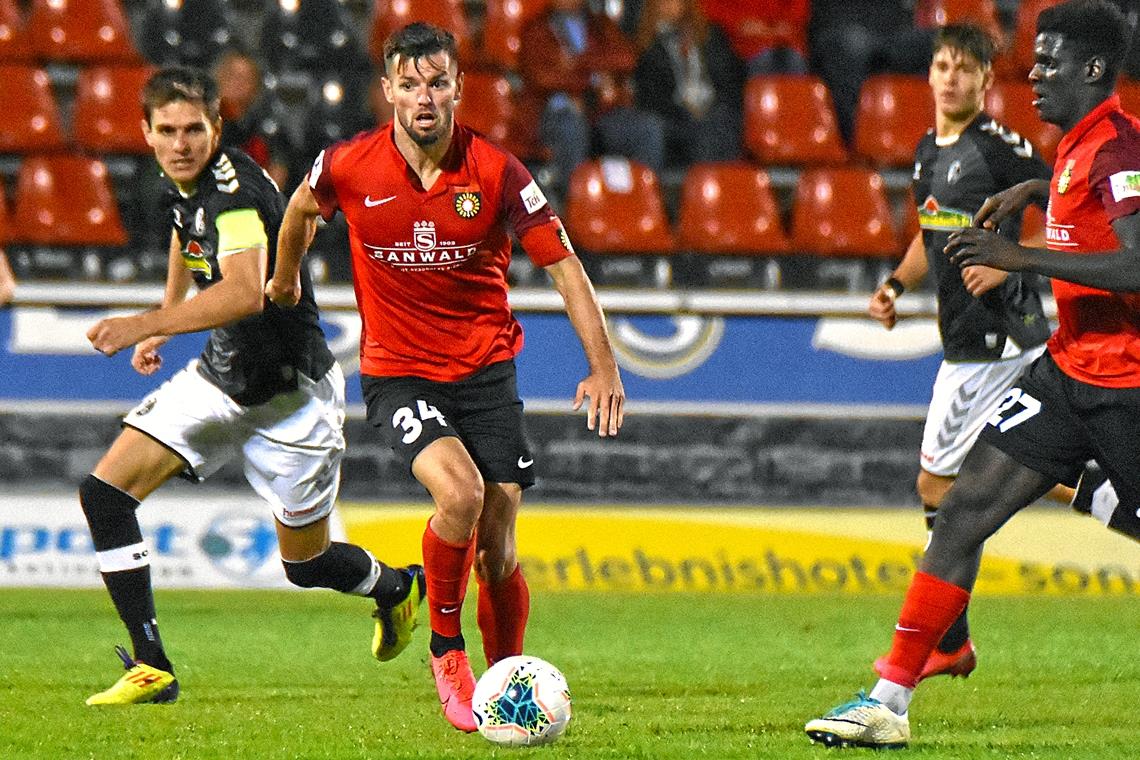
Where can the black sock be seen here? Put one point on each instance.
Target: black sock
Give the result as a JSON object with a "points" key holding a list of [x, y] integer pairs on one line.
{"points": [[928, 515], [131, 592], [124, 564], [441, 645], [956, 636], [1126, 521], [347, 568]]}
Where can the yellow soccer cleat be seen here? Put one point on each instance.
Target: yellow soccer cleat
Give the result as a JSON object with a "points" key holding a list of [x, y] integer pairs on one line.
{"points": [[394, 625], [141, 683]]}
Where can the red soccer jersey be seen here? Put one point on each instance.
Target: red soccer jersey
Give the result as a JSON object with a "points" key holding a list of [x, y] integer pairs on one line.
{"points": [[430, 266], [1096, 179]]}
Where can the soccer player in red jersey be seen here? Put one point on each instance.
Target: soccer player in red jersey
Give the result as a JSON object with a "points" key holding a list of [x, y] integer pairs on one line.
{"points": [[429, 205], [1081, 399]]}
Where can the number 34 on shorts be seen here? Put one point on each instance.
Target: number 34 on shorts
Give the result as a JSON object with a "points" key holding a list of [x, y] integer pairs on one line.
{"points": [[1017, 407], [412, 420]]}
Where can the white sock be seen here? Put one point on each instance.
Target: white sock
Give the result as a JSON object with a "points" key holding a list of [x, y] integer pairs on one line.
{"points": [[895, 697]]}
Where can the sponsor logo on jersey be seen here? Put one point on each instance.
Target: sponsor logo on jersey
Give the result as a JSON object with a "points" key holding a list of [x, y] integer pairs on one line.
{"points": [[194, 258], [1125, 184], [423, 234], [424, 251], [932, 216], [370, 202], [1066, 176], [467, 204], [532, 197]]}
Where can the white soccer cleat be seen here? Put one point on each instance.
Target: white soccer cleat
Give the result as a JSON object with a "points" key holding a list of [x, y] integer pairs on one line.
{"points": [[862, 722]]}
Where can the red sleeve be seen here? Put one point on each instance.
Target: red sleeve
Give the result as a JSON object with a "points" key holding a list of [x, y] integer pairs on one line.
{"points": [[530, 217], [320, 182], [1115, 174]]}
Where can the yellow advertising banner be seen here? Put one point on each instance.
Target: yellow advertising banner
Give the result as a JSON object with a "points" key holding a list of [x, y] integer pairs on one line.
{"points": [[781, 550]]}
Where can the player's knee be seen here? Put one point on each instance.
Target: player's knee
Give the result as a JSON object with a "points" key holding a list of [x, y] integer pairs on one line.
{"points": [[461, 499]]}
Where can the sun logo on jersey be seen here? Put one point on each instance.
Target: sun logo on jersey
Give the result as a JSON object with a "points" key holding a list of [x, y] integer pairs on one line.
{"points": [[467, 204], [194, 259], [1066, 177]]}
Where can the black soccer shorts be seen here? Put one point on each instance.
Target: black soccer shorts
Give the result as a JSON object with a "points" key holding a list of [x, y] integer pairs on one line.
{"points": [[1053, 424], [484, 411]]}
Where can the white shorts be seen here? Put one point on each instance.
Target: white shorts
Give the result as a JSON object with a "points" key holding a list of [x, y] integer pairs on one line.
{"points": [[965, 395], [292, 445]]}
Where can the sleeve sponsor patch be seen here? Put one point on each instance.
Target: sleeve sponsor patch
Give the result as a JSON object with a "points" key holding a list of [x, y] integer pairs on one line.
{"points": [[532, 197], [1125, 184]]}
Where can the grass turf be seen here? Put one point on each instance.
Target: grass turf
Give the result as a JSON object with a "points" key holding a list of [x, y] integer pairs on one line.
{"points": [[288, 675]]}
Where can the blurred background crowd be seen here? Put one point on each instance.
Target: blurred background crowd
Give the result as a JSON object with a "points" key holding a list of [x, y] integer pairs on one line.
{"points": [[754, 143]]}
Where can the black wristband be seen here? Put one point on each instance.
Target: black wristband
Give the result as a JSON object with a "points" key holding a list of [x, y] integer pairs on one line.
{"points": [[896, 286]]}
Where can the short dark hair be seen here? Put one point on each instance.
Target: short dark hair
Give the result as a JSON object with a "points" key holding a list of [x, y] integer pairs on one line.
{"points": [[1095, 27], [968, 38], [174, 83], [418, 40]]}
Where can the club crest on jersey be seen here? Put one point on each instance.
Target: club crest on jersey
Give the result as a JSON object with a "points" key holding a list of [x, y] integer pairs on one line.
{"points": [[1066, 176], [423, 235], [954, 172], [467, 204], [194, 258], [200, 221]]}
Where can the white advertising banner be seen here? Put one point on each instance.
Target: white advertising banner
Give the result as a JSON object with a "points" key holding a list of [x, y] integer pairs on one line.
{"points": [[197, 538]]}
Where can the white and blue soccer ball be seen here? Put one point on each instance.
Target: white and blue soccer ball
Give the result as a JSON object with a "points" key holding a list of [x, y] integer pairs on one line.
{"points": [[521, 700]]}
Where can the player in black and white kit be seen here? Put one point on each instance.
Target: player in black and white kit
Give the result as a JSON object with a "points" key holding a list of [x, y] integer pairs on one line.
{"points": [[991, 323], [266, 388]]}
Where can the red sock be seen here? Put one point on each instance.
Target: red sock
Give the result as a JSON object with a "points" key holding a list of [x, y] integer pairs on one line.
{"points": [[930, 608], [447, 567], [503, 611]]}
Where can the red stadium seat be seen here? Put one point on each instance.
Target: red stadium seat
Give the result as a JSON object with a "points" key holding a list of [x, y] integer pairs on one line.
{"points": [[487, 105], [31, 120], [1011, 103], [82, 31], [65, 200], [390, 15], [615, 206], [729, 208], [107, 109], [843, 212], [894, 113], [790, 119], [502, 30], [15, 47]]}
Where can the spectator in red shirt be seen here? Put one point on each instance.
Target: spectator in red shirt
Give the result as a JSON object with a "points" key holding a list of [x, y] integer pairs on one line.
{"points": [[252, 119], [770, 36], [576, 65]]}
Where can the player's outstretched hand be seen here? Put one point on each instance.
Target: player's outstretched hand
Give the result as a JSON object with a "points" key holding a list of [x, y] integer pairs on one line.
{"points": [[283, 295], [974, 247], [112, 335], [882, 306], [607, 401], [1000, 206], [146, 360]]}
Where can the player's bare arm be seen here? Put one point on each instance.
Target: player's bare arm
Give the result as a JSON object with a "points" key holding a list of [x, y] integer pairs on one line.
{"points": [[146, 360], [7, 280], [297, 229], [1000, 206], [603, 385], [908, 274], [238, 295], [1118, 270]]}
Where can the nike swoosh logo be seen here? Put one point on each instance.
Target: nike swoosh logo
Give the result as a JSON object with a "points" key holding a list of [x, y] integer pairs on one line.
{"points": [[903, 628], [369, 203], [524, 463], [448, 610]]}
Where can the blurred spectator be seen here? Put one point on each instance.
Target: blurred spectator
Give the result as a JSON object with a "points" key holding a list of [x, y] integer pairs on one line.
{"points": [[850, 39], [252, 118], [7, 279], [688, 75], [576, 65], [770, 36]]}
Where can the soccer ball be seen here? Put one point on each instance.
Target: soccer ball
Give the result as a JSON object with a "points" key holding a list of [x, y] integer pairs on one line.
{"points": [[521, 700]]}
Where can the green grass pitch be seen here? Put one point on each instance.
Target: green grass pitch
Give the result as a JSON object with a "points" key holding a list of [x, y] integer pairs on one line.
{"points": [[289, 675]]}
